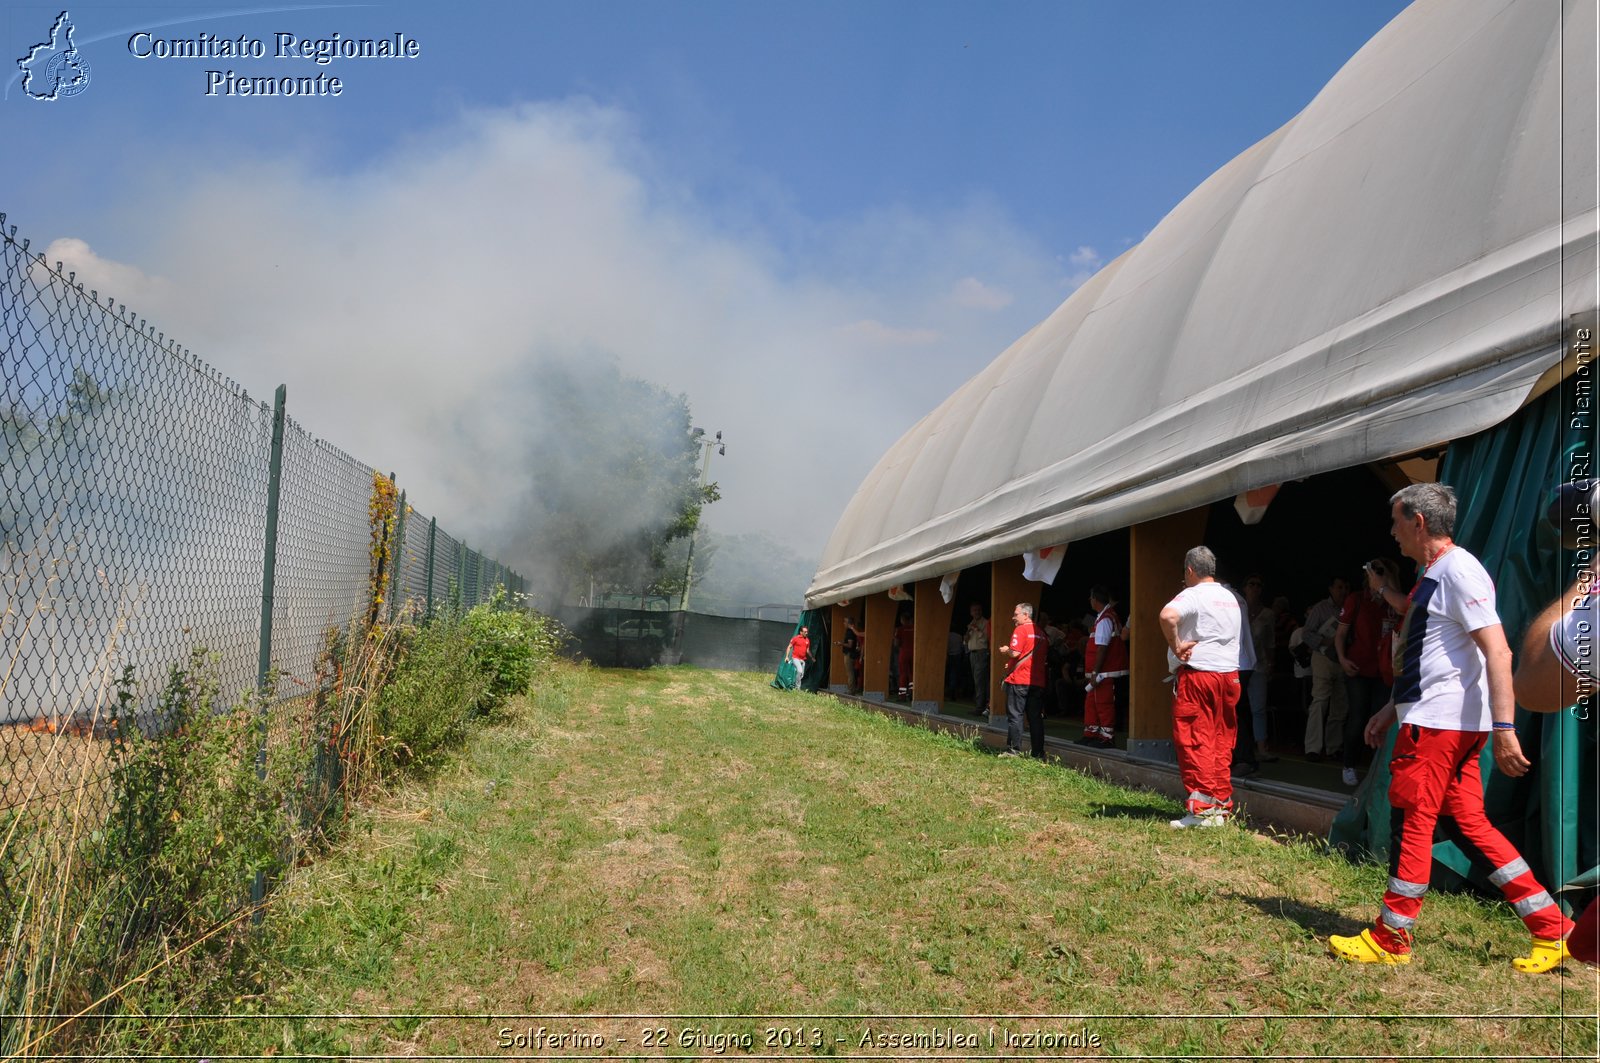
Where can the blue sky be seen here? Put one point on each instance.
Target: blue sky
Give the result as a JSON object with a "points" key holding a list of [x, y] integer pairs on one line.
{"points": [[816, 219]]}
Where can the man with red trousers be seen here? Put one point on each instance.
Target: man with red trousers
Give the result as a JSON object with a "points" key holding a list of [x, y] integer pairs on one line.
{"points": [[1452, 690], [1208, 644], [1105, 661]]}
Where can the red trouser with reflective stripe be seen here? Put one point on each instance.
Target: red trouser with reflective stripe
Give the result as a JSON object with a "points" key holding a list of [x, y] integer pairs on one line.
{"points": [[1434, 782], [1204, 727], [1100, 708]]}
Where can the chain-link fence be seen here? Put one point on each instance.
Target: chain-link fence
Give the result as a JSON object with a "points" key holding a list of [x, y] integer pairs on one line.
{"points": [[148, 508]]}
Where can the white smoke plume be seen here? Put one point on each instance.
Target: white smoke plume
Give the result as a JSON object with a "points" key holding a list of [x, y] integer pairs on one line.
{"points": [[403, 301]]}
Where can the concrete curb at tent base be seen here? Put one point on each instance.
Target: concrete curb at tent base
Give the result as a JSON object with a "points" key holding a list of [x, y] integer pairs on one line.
{"points": [[1280, 806]]}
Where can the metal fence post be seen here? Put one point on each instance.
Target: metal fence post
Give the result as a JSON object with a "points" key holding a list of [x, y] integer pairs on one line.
{"points": [[433, 532], [399, 558], [269, 568], [461, 576]]}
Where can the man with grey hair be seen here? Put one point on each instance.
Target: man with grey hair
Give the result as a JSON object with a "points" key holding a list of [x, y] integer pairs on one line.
{"points": [[1024, 682], [1452, 689], [1203, 626]]}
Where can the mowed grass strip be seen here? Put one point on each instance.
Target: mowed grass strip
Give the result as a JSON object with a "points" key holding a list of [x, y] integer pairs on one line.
{"points": [[684, 842]]}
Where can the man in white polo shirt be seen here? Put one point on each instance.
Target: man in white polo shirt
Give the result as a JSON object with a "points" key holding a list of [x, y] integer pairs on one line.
{"points": [[1203, 626], [1452, 689]]}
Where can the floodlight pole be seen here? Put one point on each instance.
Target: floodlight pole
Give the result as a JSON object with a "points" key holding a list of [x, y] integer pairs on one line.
{"points": [[707, 444]]}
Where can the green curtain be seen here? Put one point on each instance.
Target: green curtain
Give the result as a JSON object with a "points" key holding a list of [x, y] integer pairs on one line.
{"points": [[784, 679], [1504, 480]]}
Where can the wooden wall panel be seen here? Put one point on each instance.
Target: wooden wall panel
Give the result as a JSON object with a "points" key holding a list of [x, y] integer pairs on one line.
{"points": [[932, 624]]}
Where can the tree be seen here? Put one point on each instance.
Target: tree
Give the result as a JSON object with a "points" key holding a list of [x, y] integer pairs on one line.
{"points": [[615, 481]]}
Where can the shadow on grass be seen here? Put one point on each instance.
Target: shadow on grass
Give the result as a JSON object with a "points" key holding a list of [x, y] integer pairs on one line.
{"points": [[1132, 812], [1319, 921]]}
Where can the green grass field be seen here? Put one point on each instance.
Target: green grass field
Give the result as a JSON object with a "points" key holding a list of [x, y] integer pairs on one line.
{"points": [[791, 876]]}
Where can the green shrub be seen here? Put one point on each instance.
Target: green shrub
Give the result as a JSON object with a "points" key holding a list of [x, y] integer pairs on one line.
{"points": [[510, 645], [192, 821], [431, 695]]}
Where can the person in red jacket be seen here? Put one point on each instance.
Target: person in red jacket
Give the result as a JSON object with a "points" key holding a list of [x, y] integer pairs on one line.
{"points": [[1025, 681], [799, 649], [1362, 641], [1104, 662]]}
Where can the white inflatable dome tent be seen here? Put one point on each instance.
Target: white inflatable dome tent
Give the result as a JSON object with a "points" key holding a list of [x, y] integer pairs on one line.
{"points": [[1394, 268]]}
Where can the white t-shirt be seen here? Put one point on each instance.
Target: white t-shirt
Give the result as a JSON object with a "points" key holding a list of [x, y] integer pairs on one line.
{"points": [[1573, 635], [1442, 682], [1212, 616]]}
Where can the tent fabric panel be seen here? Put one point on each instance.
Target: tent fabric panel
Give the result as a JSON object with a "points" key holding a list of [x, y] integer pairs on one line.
{"points": [[1127, 330], [1402, 425]]}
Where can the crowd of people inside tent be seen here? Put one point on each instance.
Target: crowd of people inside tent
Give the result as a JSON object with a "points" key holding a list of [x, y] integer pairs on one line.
{"points": [[1328, 663]]}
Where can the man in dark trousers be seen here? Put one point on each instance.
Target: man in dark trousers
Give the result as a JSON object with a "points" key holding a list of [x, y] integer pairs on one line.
{"points": [[977, 643], [1024, 682]]}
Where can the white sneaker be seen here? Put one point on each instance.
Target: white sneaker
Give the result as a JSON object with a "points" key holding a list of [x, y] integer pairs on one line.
{"points": [[1349, 776], [1209, 819]]}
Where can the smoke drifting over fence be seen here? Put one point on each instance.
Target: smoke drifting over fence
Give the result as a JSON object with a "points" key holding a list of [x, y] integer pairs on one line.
{"points": [[133, 513]]}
